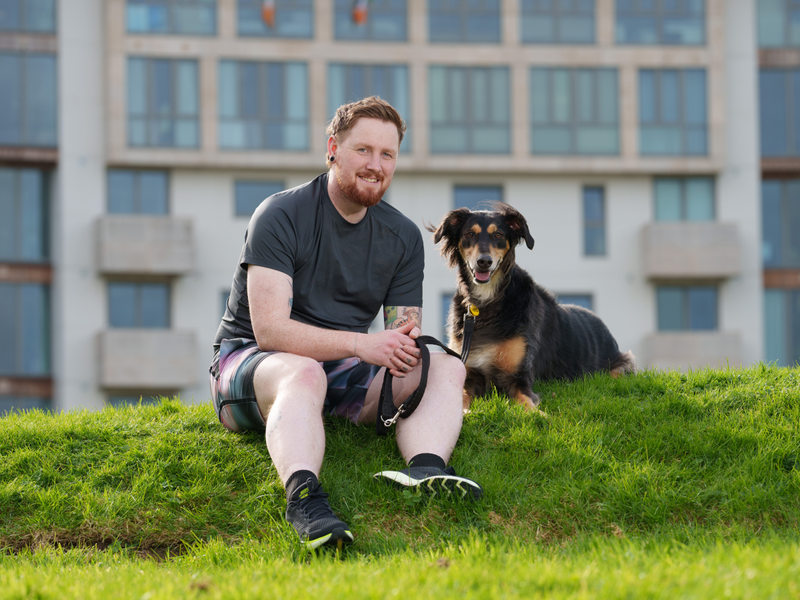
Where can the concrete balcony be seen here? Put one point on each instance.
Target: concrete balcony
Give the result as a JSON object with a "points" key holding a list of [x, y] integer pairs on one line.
{"points": [[691, 250], [163, 359], [145, 245], [686, 350]]}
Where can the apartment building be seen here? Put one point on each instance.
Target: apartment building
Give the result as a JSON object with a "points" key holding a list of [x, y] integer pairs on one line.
{"points": [[137, 136]]}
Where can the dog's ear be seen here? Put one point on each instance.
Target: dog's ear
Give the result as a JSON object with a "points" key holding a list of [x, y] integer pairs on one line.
{"points": [[517, 223], [450, 227]]}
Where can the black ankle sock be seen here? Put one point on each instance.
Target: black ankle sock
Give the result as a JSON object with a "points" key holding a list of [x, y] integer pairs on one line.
{"points": [[296, 480], [427, 460]]}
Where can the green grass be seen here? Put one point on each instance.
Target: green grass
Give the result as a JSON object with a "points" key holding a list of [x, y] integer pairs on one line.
{"points": [[659, 485]]}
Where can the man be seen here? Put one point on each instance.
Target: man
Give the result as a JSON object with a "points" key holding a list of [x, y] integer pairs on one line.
{"points": [[318, 262]]}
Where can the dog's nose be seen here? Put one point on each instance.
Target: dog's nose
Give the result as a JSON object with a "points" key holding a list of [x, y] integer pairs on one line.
{"points": [[484, 261]]}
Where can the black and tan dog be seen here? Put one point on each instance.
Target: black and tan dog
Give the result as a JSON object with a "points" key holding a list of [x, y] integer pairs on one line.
{"points": [[521, 334]]}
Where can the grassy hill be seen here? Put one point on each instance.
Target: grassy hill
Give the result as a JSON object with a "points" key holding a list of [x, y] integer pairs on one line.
{"points": [[629, 476]]}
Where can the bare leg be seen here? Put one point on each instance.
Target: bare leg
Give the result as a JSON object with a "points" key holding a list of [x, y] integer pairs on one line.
{"points": [[291, 390], [436, 423]]}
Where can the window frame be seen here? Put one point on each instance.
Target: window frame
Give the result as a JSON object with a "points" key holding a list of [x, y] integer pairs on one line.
{"points": [[137, 316], [659, 15], [470, 104], [152, 115], [594, 225], [558, 13], [683, 183], [685, 308], [344, 28], [683, 116], [464, 13], [574, 125], [22, 223], [171, 8], [283, 12], [240, 117], [28, 106], [136, 191]]}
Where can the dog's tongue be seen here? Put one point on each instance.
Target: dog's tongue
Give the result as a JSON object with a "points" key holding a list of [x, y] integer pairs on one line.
{"points": [[482, 276]]}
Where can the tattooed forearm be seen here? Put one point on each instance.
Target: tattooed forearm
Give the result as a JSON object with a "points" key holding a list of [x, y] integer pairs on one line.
{"points": [[397, 316]]}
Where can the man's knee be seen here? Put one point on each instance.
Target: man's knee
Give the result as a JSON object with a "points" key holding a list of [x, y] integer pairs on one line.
{"points": [[290, 375], [449, 366]]}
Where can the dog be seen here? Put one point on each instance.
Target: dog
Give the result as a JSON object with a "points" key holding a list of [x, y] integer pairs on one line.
{"points": [[521, 334]]}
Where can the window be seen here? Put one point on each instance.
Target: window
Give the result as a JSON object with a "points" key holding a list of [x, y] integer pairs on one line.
{"points": [[584, 300], [192, 17], [558, 22], [348, 83], [778, 23], [779, 92], [138, 192], [28, 97], [687, 308], [163, 103], [672, 112], [291, 19], [684, 199], [471, 21], [24, 15], [668, 22], [574, 111], [138, 304], [780, 223], [120, 401], [10, 404], [387, 21], [782, 326], [24, 329], [263, 106], [471, 196], [470, 110], [23, 215], [249, 194], [594, 221]]}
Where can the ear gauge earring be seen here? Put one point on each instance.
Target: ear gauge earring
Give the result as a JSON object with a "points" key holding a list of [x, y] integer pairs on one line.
{"points": [[332, 158]]}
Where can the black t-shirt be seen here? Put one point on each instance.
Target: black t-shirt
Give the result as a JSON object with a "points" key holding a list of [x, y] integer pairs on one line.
{"points": [[342, 272]]}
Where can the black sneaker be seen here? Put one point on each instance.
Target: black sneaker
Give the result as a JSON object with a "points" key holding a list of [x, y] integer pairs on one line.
{"points": [[432, 480], [310, 514]]}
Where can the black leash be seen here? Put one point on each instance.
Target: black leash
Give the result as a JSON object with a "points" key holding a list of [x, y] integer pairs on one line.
{"points": [[387, 413]]}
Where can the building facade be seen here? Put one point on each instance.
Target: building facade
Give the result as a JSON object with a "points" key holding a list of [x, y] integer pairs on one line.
{"points": [[137, 136]]}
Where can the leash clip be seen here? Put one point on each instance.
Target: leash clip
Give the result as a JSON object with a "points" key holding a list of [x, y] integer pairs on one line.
{"points": [[389, 422]]}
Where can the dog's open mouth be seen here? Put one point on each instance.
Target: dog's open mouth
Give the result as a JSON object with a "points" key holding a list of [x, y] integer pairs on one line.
{"points": [[482, 277]]}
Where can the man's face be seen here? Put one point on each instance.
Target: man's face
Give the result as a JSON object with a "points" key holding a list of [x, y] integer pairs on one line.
{"points": [[365, 160]]}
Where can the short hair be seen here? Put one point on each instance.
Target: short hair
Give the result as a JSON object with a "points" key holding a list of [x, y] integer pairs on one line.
{"points": [[373, 107]]}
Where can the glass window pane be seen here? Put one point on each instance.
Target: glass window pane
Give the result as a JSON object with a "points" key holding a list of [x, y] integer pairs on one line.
{"points": [[154, 304], [647, 96], [249, 194], [668, 200], [771, 223], [771, 23], [471, 196], [775, 327], [773, 109], [11, 100], [9, 316], [669, 301], [669, 98], [34, 320], [790, 223], [121, 192], [584, 300], [187, 87], [700, 199], [122, 300], [8, 214], [40, 98], [153, 192], [702, 308], [695, 96], [539, 95], [32, 225], [137, 86]]}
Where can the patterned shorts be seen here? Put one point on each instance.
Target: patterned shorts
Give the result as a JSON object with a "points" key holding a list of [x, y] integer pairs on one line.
{"points": [[234, 367]]}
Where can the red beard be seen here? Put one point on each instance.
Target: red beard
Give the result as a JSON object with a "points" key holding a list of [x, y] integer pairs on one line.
{"points": [[365, 198]]}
